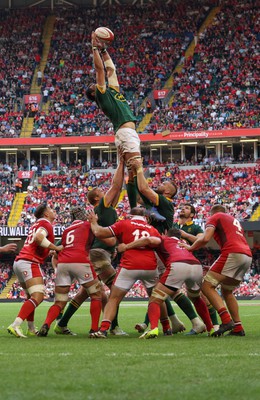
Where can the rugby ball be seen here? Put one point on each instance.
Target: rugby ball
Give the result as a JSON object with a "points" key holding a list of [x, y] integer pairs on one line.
{"points": [[104, 34]]}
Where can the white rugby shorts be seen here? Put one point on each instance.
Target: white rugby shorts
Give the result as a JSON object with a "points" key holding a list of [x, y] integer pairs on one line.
{"points": [[128, 139]]}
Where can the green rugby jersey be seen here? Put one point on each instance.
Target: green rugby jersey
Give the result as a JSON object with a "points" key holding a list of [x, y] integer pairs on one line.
{"points": [[115, 107], [189, 227], [166, 209], [106, 216]]}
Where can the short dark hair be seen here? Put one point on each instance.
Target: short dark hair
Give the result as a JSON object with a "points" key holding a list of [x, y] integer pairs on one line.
{"points": [[192, 208], [138, 211], [218, 208], [92, 195], [175, 188], [40, 210], [174, 232]]}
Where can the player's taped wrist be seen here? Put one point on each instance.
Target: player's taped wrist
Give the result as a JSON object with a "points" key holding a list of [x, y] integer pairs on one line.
{"points": [[94, 48], [109, 64], [139, 170], [45, 243]]}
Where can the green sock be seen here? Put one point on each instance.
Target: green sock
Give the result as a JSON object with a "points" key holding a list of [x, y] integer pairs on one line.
{"points": [[213, 315], [60, 315], [146, 320], [114, 323], [169, 306], [185, 305], [132, 194], [70, 310]]}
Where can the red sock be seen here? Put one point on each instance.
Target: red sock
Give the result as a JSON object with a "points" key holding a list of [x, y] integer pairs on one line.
{"points": [[95, 311], [31, 317], [52, 314], [154, 314], [27, 308], [224, 315], [238, 327], [165, 324], [105, 325], [203, 312]]}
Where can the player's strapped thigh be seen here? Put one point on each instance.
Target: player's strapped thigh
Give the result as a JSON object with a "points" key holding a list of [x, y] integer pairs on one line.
{"points": [[38, 288], [25, 270], [94, 288], [159, 294], [128, 140], [63, 297]]}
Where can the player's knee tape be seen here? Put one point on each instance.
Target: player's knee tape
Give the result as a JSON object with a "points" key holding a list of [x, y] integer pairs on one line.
{"points": [[211, 279], [228, 287], [36, 289], [62, 297], [95, 288], [159, 294]]}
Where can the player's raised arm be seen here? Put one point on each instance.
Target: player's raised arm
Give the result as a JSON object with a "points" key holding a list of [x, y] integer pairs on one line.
{"points": [[111, 197], [110, 68], [98, 63]]}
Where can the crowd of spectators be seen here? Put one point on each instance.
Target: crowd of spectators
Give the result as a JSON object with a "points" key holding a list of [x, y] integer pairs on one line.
{"points": [[145, 56], [20, 52], [5, 274], [217, 87]]}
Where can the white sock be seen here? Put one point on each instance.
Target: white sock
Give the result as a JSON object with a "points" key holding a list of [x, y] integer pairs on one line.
{"points": [[17, 322], [175, 320], [31, 325]]}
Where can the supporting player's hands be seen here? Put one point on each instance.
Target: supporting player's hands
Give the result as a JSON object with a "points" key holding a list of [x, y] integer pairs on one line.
{"points": [[92, 217], [8, 248], [184, 245], [136, 163], [59, 248], [121, 247], [121, 154]]}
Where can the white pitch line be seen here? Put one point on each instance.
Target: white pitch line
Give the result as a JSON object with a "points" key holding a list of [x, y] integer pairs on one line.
{"points": [[133, 355]]}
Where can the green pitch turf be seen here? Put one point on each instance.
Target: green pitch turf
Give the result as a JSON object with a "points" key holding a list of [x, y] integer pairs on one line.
{"points": [[122, 368]]}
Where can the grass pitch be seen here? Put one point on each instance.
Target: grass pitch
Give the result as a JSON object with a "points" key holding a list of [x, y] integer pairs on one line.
{"points": [[124, 368]]}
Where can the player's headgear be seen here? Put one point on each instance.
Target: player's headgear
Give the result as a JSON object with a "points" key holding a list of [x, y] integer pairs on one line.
{"points": [[78, 213]]}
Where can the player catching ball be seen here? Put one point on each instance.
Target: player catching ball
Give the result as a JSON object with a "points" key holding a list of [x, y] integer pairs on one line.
{"points": [[112, 102]]}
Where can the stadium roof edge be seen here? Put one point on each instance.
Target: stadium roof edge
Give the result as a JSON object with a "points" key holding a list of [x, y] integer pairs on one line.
{"points": [[5, 4]]}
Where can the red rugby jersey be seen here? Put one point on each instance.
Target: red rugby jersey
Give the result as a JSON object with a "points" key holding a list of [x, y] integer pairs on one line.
{"points": [[76, 240], [132, 229], [229, 234], [31, 250]]}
